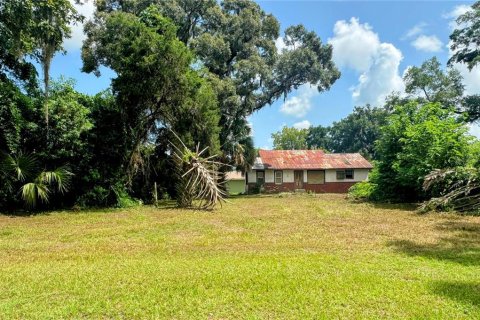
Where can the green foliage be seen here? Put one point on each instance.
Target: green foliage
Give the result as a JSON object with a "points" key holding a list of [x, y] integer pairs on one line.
{"points": [[69, 121], [16, 41], [363, 190], [416, 140], [355, 133], [465, 41], [358, 131], [35, 183], [36, 29], [234, 42], [123, 199], [155, 85], [12, 104], [319, 138], [433, 84], [290, 139]]}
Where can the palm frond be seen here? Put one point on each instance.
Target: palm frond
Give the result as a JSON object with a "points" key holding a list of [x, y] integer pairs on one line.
{"points": [[32, 191], [23, 166], [459, 190], [198, 176], [60, 176]]}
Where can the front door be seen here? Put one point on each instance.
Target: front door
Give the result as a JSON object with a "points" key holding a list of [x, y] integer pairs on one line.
{"points": [[298, 179]]}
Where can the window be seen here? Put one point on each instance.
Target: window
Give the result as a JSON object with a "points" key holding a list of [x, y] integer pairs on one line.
{"points": [[260, 177], [316, 177], [349, 174], [278, 177]]}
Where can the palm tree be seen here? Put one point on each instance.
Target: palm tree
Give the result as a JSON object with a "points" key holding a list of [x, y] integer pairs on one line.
{"points": [[36, 183]]}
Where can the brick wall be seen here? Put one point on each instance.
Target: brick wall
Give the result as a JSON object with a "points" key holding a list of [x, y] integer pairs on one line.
{"points": [[329, 187]]}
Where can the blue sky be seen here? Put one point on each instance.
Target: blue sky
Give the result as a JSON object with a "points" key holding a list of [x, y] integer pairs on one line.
{"points": [[374, 42]]}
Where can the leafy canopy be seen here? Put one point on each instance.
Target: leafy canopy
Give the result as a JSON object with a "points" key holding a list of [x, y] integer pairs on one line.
{"points": [[416, 140], [290, 139], [465, 40], [234, 41]]}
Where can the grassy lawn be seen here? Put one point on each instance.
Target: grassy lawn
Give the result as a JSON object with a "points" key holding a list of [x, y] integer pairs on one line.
{"points": [[257, 257]]}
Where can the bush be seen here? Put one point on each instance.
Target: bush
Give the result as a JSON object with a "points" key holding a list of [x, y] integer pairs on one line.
{"points": [[362, 191]]}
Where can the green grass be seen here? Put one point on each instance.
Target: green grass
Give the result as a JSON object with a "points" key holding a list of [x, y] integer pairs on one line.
{"points": [[255, 258]]}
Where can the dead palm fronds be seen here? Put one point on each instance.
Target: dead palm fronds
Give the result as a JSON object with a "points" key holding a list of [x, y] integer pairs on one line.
{"points": [[199, 178], [459, 190]]}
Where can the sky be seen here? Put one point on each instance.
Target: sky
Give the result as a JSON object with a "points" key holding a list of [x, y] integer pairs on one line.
{"points": [[374, 42]]}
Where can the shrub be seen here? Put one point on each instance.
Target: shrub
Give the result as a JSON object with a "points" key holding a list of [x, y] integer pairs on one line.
{"points": [[362, 191]]}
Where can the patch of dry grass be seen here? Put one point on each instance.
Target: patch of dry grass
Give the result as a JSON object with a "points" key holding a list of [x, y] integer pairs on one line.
{"points": [[294, 256]]}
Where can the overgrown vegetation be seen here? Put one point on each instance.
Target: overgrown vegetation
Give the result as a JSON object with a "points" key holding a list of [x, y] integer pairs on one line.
{"points": [[198, 69]]}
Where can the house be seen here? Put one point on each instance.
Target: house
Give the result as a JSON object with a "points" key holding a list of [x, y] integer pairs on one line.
{"points": [[307, 170], [235, 182]]}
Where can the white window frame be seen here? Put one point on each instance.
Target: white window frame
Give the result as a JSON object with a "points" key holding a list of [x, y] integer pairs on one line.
{"points": [[263, 178], [278, 177]]}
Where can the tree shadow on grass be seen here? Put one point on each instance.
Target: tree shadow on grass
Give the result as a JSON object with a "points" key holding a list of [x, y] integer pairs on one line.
{"points": [[395, 206], [460, 245], [461, 291]]}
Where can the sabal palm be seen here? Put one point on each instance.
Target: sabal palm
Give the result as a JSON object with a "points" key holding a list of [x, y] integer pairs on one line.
{"points": [[37, 184]]}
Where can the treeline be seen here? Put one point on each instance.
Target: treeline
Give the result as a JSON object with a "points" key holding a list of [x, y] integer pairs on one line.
{"points": [[194, 68], [355, 133]]}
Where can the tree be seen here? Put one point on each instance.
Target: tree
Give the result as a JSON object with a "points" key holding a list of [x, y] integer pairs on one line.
{"points": [[156, 87], [429, 83], [465, 41], [290, 139], [16, 42], [69, 123], [36, 29], [417, 139], [12, 105], [433, 84], [355, 133], [51, 22], [358, 131], [319, 138], [234, 40], [459, 190]]}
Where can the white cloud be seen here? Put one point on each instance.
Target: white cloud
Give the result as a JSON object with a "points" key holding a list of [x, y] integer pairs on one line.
{"points": [[381, 79], [299, 105], [474, 130], [305, 124], [455, 13], [427, 43], [356, 46], [471, 79], [76, 41], [416, 30], [280, 44]]}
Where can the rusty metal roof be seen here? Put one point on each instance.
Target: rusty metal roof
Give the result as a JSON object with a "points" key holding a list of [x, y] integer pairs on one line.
{"points": [[310, 159]]}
